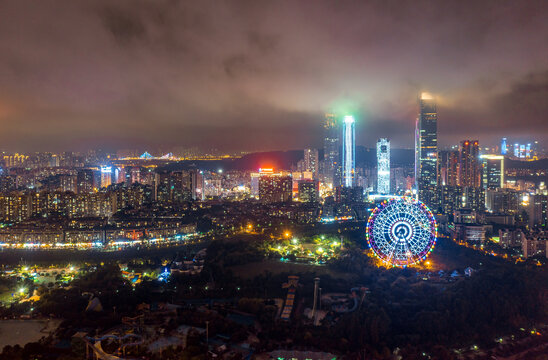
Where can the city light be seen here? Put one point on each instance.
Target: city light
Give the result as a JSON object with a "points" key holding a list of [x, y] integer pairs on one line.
{"points": [[426, 96], [349, 151], [246, 180]]}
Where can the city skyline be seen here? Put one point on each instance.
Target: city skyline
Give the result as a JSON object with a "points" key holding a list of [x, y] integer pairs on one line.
{"points": [[273, 179], [122, 76]]}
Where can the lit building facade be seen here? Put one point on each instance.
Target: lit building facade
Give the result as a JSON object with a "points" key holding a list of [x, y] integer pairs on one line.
{"points": [[502, 201], [383, 166], [331, 157], [275, 188], [349, 151], [469, 166], [311, 161], [84, 181], [493, 171], [308, 191], [426, 149], [448, 171], [537, 211], [503, 146], [106, 176]]}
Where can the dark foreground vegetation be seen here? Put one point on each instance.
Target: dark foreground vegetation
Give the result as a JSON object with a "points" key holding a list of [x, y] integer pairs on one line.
{"points": [[407, 312]]}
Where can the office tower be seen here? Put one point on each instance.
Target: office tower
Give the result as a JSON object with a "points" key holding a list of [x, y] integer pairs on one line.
{"points": [[84, 181], [275, 188], [426, 150], [349, 151], [331, 156], [503, 146], [311, 161], [448, 161], [308, 191], [469, 165], [383, 166], [493, 171]]}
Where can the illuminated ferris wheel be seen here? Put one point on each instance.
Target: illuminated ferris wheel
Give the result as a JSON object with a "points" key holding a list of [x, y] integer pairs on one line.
{"points": [[401, 232]]}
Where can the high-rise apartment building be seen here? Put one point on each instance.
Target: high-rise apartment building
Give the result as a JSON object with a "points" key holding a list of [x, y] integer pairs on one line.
{"points": [[275, 188], [311, 161], [469, 166], [84, 181], [348, 151], [308, 191], [448, 171], [383, 166], [426, 150]]}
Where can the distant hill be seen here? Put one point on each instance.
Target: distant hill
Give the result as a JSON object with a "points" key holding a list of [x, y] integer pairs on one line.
{"points": [[365, 157], [398, 157], [533, 165]]}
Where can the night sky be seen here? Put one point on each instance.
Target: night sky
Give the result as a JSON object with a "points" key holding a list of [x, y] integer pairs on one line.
{"points": [[259, 75]]}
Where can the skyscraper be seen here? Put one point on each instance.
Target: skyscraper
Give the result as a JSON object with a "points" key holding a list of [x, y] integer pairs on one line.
{"points": [[493, 171], [448, 162], [383, 166], [503, 146], [331, 151], [469, 166], [311, 161], [349, 151], [426, 149]]}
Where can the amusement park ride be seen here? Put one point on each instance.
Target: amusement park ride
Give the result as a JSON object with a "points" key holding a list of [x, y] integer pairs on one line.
{"points": [[401, 232]]}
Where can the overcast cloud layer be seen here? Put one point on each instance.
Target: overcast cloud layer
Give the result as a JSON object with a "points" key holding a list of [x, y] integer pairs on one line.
{"points": [[258, 75]]}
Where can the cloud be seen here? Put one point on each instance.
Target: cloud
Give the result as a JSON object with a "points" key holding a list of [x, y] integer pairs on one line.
{"points": [[248, 75]]}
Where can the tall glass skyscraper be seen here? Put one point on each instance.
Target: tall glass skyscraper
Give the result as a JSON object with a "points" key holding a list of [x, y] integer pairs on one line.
{"points": [[426, 151], [331, 156], [383, 166], [349, 151]]}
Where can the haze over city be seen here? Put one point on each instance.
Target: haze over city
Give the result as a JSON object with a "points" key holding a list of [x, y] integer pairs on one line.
{"points": [[247, 75]]}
